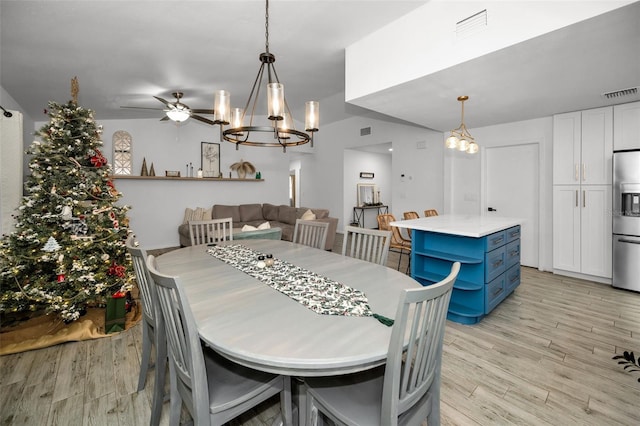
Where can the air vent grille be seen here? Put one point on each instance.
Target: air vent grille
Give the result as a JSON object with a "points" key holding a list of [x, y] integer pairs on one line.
{"points": [[365, 131], [471, 25], [619, 93]]}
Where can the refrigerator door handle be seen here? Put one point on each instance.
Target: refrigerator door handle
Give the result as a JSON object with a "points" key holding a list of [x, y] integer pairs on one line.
{"points": [[624, 240]]}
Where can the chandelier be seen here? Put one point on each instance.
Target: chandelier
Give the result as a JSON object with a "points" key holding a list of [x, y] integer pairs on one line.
{"points": [[278, 129], [460, 138]]}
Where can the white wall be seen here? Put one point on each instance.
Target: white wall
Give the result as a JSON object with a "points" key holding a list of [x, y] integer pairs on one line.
{"points": [[355, 162], [157, 206], [323, 183], [463, 173], [424, 41], [7, 101]]}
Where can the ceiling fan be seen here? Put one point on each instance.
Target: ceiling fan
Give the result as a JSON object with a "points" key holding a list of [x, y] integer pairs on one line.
{"points": [[179, 112]]}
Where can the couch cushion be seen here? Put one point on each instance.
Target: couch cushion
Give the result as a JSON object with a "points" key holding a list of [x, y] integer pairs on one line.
{"points": [[221, 211], [287, 214], [270, 212], [250, 212]]}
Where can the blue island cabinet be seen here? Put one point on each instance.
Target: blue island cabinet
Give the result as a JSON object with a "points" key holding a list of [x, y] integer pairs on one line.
{"points": [[489, 268]]}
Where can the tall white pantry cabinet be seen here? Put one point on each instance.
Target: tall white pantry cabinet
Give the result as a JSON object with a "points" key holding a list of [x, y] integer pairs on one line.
{"points": [[582, 191]]}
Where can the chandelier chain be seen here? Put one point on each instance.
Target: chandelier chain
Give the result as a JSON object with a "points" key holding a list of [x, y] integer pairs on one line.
{"points": [[266, 27]]}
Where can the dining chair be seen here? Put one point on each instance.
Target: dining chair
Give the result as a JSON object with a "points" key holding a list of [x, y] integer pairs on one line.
{"points": [[430, 212], [410, 215], [311, 233], [213, 389], [210, 231], [153, 334], [406, 390], [371, 245], [398, 242]]}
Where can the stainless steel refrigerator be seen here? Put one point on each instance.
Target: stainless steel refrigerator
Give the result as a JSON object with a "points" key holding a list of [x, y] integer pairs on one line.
{"points": [[626, 220]]}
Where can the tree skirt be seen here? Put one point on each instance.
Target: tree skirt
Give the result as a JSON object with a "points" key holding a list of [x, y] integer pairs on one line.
{"points": [[48, 330]]}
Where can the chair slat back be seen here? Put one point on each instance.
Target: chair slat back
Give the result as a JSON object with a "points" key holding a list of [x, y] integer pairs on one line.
{"points": [[410, 373], [210, 231], [371, 245], [410, 215], [430, 212], [185, 352], [311, 233], [397, 241], [139, 260]]}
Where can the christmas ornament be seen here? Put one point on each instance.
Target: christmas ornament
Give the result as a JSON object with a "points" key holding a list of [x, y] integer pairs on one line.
{"points": [[51, 245]]}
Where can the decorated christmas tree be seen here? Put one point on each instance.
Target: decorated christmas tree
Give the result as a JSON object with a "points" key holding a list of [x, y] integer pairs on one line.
{"points": [[68, 250]]}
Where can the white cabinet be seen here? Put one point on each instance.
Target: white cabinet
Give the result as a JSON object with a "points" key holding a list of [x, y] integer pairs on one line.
{"points": [[582, 175], [582, 229], [626, 126], [583, 147]]}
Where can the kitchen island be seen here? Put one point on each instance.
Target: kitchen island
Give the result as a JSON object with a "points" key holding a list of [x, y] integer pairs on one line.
{"points": [[488, 249]]}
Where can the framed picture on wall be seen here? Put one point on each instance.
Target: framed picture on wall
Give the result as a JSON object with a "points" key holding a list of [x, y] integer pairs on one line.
{"points": [[210, 153]]}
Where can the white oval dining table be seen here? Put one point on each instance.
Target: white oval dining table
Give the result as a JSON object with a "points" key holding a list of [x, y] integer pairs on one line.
{"points": [[257, 326]]}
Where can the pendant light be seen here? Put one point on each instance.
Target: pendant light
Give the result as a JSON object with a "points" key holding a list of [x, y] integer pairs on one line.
{"points": [[460, 138]]}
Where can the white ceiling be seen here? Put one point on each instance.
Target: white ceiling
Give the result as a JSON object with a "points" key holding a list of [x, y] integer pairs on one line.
{"points": [[124, 52]]}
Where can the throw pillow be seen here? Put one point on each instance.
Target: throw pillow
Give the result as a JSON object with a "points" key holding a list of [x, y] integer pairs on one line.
{"points": [[308, 215], [188, 215], [265, 225]]}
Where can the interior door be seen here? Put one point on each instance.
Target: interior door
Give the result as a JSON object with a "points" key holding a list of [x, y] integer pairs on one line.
{"points": [[512, 190]]}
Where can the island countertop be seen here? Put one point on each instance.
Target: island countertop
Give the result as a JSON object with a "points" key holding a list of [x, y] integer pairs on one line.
{"points": [[464, 225]]}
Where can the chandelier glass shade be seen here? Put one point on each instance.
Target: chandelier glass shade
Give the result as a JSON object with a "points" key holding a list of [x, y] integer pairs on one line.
{"points": [[248, 127], [460, 138]]}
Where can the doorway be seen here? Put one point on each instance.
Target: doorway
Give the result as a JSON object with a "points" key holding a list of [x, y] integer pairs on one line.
{"points": [[511, 188], [292, 189]]}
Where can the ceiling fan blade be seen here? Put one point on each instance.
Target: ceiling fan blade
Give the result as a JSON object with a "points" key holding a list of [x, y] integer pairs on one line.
{"points": [[168, 104], [204, 120], [203, 111], [130, 107], [165, 118]]}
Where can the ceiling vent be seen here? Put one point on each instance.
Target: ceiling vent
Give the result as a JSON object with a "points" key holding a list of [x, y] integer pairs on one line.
{"points": [[620, 93], [365, 131], [471, 25]]}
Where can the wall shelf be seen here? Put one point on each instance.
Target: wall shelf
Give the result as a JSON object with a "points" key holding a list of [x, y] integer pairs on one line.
{"points": [[131, 177]]}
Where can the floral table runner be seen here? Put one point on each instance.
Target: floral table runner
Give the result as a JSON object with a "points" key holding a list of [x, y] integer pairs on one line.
{"points": [[320, 294]]}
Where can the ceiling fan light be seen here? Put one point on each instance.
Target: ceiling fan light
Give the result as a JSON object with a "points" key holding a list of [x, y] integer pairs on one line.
{"points": [[178, 114], [221, 107], [275, 101], [472, 148], [451, 142]]}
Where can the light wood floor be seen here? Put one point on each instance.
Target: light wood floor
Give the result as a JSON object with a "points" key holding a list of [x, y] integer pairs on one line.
{"points": [[542, 357]]}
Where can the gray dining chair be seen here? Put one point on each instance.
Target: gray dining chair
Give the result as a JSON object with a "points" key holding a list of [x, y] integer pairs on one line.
{"points": [[210, 231], [213, 389], [406, 390], [153, 334], [371, 245], [311, 233]]}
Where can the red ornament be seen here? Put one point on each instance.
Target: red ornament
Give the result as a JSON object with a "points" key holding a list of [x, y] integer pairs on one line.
{"points": [[117, 270], [98, 160], [60, 278], [119, 294]]}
